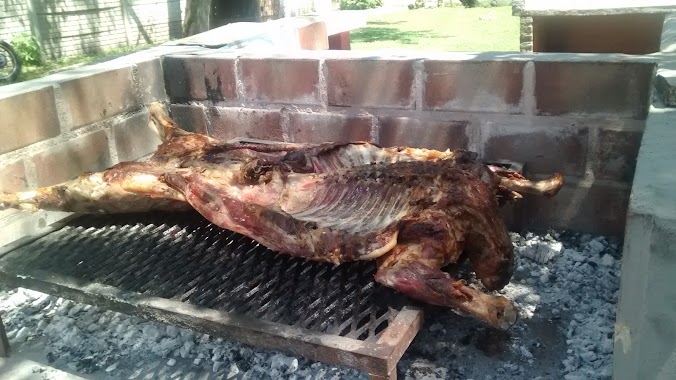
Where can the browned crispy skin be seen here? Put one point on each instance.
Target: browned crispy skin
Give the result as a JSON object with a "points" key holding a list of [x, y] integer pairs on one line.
{"points": [[413, 210]]}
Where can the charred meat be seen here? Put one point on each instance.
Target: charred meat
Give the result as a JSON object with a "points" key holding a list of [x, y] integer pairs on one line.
{"points": [[414, 211]]}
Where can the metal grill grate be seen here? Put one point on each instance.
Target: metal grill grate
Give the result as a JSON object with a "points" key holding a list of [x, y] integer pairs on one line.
{"points": [[183, 257]]}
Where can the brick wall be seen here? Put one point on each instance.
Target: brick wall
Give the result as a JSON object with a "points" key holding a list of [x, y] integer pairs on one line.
{"points": [[581, 115], [53, 129], [13, 18], [67, 28]]}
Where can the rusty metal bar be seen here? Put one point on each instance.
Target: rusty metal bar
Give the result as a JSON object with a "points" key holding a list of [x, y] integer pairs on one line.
{"points": [[297, 341], [181, 270], [399, 335]]}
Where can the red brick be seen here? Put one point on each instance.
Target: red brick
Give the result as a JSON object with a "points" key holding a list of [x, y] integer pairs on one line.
{"points": [[313, 36], [618, 88], [440, 135], [617, 155], [189, 118], [229, 123], [200, 78], [151, 81], [277, 80], [315, 127], [493, 86], [13, 177], [340, 41], [134, 138], [27, 118], [543, 151], [601, 209], [88, 153], [99, 96], [370, 83]]}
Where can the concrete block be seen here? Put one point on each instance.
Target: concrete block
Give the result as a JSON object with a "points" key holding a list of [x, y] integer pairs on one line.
{"points": [[322, 127], [200, 78], [666, 88], [27, 118], [134, 138], [618, 88], [617, 153], [150, 81], [544, 150], [189, 118], [280, 80], [596, 209], [98, 96], [420, 133], [13, 177], [645, 329], [473, 86], [229, 123], [65, 161], [370, 83], [176, 80]]}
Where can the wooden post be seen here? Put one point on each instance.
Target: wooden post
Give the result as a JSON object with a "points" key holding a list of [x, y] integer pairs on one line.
{"points": [[35, 27], [197, 14]]}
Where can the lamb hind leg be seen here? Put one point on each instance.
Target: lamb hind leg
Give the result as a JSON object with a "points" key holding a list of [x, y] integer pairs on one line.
{"points": [[419, 281]]}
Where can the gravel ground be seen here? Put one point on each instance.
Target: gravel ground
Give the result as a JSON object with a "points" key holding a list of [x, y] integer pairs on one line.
{"points": [[565, 284]]}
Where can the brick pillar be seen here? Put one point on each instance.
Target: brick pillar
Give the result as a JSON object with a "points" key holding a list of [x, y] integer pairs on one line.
{"points": [[526, 34]]}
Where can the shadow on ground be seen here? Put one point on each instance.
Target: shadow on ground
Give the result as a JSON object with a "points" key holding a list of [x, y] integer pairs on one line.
{"points": [[409, 37]]}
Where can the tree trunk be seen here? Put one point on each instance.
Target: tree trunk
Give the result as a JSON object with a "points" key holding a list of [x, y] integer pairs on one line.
{"points": [[196, 19]]}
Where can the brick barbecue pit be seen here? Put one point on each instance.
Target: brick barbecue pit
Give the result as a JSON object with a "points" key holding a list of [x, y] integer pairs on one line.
{"points": [[581, 115]]}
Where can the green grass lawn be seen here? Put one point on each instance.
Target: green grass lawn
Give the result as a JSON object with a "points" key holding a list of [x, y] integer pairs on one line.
{"points": [[442, 29], [48, 67]]}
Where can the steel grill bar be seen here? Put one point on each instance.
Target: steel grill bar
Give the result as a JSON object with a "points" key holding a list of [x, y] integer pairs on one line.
{"points": [[182, 258]]}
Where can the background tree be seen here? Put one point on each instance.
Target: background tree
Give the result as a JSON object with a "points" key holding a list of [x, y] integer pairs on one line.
{"points": [[196, 18]]}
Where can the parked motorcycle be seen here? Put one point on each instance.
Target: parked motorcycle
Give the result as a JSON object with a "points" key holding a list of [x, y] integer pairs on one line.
{"points": [[10, 63]]}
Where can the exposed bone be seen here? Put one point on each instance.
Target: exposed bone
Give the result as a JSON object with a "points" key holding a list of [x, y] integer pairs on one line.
{"points": [[412, 210]]}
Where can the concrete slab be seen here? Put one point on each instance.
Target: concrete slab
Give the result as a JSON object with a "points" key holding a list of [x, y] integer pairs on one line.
{"points": [[665, 82], [585, 7], [645, 330], [655, 177], [27, 365]]}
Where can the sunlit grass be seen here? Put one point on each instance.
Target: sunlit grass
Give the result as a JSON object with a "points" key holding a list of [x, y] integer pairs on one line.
{"points": [[441, 29]]}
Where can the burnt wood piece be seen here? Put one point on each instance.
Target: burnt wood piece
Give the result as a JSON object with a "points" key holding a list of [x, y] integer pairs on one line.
{"points": [[4, 342], [179, 269]]}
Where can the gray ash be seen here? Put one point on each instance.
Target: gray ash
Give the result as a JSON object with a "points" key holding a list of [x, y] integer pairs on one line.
{"points": [[565, 284]]}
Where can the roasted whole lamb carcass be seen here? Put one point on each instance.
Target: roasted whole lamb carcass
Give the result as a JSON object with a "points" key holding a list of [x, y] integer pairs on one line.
{"points": [[415, 211]]}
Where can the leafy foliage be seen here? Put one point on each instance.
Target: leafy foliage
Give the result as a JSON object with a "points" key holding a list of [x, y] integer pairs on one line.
{"points": [[485, 3], [360, 4], [417, 4], [469, 3], [28, 49]]}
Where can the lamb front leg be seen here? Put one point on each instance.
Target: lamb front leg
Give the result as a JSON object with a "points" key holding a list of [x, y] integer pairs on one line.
{"points": [[414, 278], [126, 187], [517, 183]]}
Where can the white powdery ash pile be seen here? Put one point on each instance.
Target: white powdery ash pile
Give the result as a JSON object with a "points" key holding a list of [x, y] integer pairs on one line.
{"points": [[583, 281], [573, 279]]}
